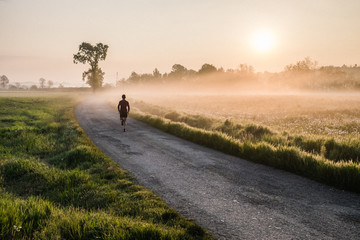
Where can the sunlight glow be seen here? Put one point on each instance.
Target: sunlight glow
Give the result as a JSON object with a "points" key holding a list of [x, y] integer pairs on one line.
{"points": [[263, 41]]}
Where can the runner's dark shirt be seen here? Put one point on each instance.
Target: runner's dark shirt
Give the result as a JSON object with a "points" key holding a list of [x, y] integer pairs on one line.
{"points": [[124, 106]]}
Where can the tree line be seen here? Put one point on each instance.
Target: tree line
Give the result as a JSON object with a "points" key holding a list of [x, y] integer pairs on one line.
{"points": [[304, 74], [43, 84]]}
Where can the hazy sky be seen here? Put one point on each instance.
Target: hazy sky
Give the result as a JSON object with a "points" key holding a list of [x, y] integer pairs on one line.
{"points": [[39, 37]]}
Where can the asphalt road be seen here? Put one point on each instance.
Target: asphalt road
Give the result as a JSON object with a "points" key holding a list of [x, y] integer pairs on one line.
{"points": [[231, 197]]}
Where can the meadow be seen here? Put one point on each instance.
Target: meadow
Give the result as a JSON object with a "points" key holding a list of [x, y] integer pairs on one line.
{"points": [[56, 184], [312, 134]]}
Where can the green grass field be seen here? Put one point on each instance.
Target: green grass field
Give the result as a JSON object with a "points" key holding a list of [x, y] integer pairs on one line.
{"points": [[55, 184], [316, 136]]}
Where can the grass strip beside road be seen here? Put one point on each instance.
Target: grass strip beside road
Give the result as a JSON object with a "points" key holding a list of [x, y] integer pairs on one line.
{"points": [[55, 184], [341, 174]]}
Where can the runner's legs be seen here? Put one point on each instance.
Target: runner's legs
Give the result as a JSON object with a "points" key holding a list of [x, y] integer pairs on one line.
{"points": [[124, 123], [121, 120], [123, 117]]}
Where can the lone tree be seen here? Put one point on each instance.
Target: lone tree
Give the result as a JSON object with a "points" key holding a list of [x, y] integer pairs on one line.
{"points": [[4, 81], [92, 55], [50, 83], [42, 82]]}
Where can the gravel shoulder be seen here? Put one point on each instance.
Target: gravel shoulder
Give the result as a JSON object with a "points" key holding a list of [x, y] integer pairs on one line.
{"points": [[231, 197]]}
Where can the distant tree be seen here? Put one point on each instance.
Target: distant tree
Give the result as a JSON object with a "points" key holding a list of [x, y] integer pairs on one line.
{"points": [[221, 70], [245, 69], [191, 72], [207, 68], [156, 73], [146, 78], [33, 87], [16, 86], [92, 55], [134, 78], [4, 81], [120, 83], [61, 85], [305, 65], [177, 68], [178, 71], [302, 75], [12, 87], [230, 70], [42, 82], [50, 83]]}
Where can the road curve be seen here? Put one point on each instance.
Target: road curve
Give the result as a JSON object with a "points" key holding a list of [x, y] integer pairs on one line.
{"points": [[231, 197]]}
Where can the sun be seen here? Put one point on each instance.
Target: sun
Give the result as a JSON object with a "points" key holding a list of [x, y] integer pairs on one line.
{"points": [[263, 41]]}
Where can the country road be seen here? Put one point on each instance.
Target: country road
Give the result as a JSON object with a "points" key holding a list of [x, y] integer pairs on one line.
{"points": [[232, 198]]}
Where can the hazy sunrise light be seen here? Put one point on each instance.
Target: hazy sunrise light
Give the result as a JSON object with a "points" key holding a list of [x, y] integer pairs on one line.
{"points": [[263, 41], [39, 37], [244, 120]]}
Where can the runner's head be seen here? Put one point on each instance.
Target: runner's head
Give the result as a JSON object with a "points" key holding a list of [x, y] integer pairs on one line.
{"points": [[123, 96]]}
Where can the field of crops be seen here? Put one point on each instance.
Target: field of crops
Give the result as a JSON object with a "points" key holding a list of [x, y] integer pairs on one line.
{"points": [[333, 115], [314, 135]]}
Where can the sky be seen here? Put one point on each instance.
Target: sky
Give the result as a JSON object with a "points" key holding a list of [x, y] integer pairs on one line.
{"points": [[39, 37]]}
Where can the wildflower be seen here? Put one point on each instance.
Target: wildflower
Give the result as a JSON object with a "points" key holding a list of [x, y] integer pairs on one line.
{"points": [[17, 228]]}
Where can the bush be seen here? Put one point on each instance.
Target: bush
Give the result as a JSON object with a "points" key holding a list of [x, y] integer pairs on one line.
{"points": [[309, 145], [342, 151], [230, 128], [173, 116], [257, 131]]}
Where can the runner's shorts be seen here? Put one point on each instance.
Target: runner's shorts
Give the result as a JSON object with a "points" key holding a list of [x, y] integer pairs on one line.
{"points": [[123, 114]]}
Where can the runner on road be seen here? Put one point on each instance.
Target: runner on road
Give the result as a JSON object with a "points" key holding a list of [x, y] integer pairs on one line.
{"points": [[124, 109]]}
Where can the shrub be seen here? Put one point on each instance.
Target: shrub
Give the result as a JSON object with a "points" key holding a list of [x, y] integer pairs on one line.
{"points": [[173, 116], [309, 145], [256, 131], [342, 151], [230, 128]]}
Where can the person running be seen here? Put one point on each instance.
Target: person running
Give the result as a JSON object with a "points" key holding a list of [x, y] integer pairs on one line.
{"points": [[124, 109]]}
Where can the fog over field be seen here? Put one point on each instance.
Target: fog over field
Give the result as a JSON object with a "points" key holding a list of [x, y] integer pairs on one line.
{"points": [[334, 114], [242, 83]]}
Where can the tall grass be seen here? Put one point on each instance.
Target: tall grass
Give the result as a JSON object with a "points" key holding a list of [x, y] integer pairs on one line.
{"points": [[323, 159], [55, 184]]}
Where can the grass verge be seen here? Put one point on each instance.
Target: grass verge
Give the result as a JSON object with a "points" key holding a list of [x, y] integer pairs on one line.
{"points": [[55, 184], [324, 160]]}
